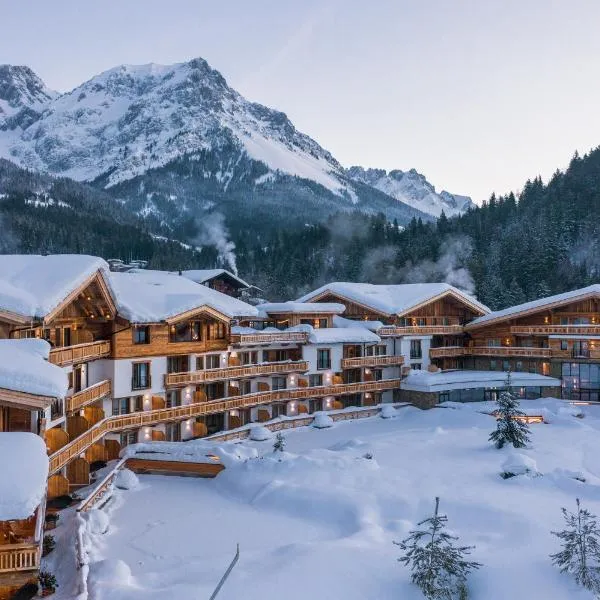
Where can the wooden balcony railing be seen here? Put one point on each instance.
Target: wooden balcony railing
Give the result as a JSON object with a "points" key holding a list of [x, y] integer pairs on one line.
{"points": [[447, 352], [80, 353], [19, 557], [372, 361], [269, 338], [193, 377], [73, 449], [451, 351], [420, 330], [101, 489], [92, 394], [555, 329]]}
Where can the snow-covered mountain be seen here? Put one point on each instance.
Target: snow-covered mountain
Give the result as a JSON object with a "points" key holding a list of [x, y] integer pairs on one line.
{"points": [[134, 118], [21, 88], [413, 189], [132, 128]]}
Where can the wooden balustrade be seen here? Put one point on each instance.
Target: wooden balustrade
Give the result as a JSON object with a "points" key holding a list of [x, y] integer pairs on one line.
{"points": [[62, 457], [420, 330], [555, 329], [372, 361], [447, 351], [91, 394], [101, 489], [269, 338], [496, 351], [19, 557], [80, 353], [193, 377]]}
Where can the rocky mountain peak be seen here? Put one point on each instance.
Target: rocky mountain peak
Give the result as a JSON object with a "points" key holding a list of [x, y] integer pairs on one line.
{"points": [[21, 88]]}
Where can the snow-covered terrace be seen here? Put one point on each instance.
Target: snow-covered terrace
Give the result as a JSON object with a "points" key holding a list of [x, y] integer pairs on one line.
{"points": [[425, 381]]}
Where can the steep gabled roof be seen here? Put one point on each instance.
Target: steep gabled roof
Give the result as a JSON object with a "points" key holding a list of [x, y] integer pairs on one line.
{"points": [[153, 296], [592, 291], [33, 286], [204, 275], [393, 299]]}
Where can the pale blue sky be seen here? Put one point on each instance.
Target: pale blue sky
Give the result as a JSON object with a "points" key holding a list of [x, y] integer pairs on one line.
{"points": [[478, 95]]}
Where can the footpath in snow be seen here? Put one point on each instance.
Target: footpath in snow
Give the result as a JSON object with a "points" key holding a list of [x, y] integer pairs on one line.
{"points": [[319, 520]]}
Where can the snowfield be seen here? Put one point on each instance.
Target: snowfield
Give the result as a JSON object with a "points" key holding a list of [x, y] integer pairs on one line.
{"points": [[318, 521]]}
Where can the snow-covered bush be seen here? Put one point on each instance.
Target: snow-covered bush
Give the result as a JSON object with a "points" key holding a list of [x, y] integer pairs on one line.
{"points": [[388, 411], [97, 521], [322, 420], [126, 480], [258, 433], [109, 571], [580, 554], [438, 566], [519, 464]]}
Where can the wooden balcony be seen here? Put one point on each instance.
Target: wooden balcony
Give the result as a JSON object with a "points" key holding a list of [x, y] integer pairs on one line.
{"points": [[25, 552], [194, 377], [451, 351], [152, 417], [19, 557], [91, 394], [372, 361], [555, 330], [70, 355], [447, 352], [420, 330], [248, 339]]}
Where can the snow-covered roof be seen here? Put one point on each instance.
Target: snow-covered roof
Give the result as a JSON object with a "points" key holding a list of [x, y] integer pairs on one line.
{"points": [[33, 285], [370, 325], [204, 275], [145, 296], [424, 381], [301, 307], [392, 299], [339, 335], [23, 474], [24, 367], [535, 305]]}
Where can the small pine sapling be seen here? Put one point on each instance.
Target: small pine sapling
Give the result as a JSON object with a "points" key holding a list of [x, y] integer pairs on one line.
{"points": [[438, 565], [580, 554], [510, 427], [280, 442]]}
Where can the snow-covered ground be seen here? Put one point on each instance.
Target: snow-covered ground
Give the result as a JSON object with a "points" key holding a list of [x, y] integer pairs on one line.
{"points": [[320, 522]]}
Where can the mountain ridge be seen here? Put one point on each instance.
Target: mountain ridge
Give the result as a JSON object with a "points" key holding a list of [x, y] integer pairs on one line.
{"points": [[132, 119]]}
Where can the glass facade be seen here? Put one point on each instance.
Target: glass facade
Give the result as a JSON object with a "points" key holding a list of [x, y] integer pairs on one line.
{"points": [[489, 394], [581, 381]]}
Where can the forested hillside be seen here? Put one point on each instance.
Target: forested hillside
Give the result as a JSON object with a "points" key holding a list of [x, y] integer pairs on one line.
{"points": [[509, 250]]}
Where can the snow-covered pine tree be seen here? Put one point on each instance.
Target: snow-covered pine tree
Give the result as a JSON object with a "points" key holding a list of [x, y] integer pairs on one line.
{"points": [[580, 554], [280, 442], [438, 566], [509, 429]]}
